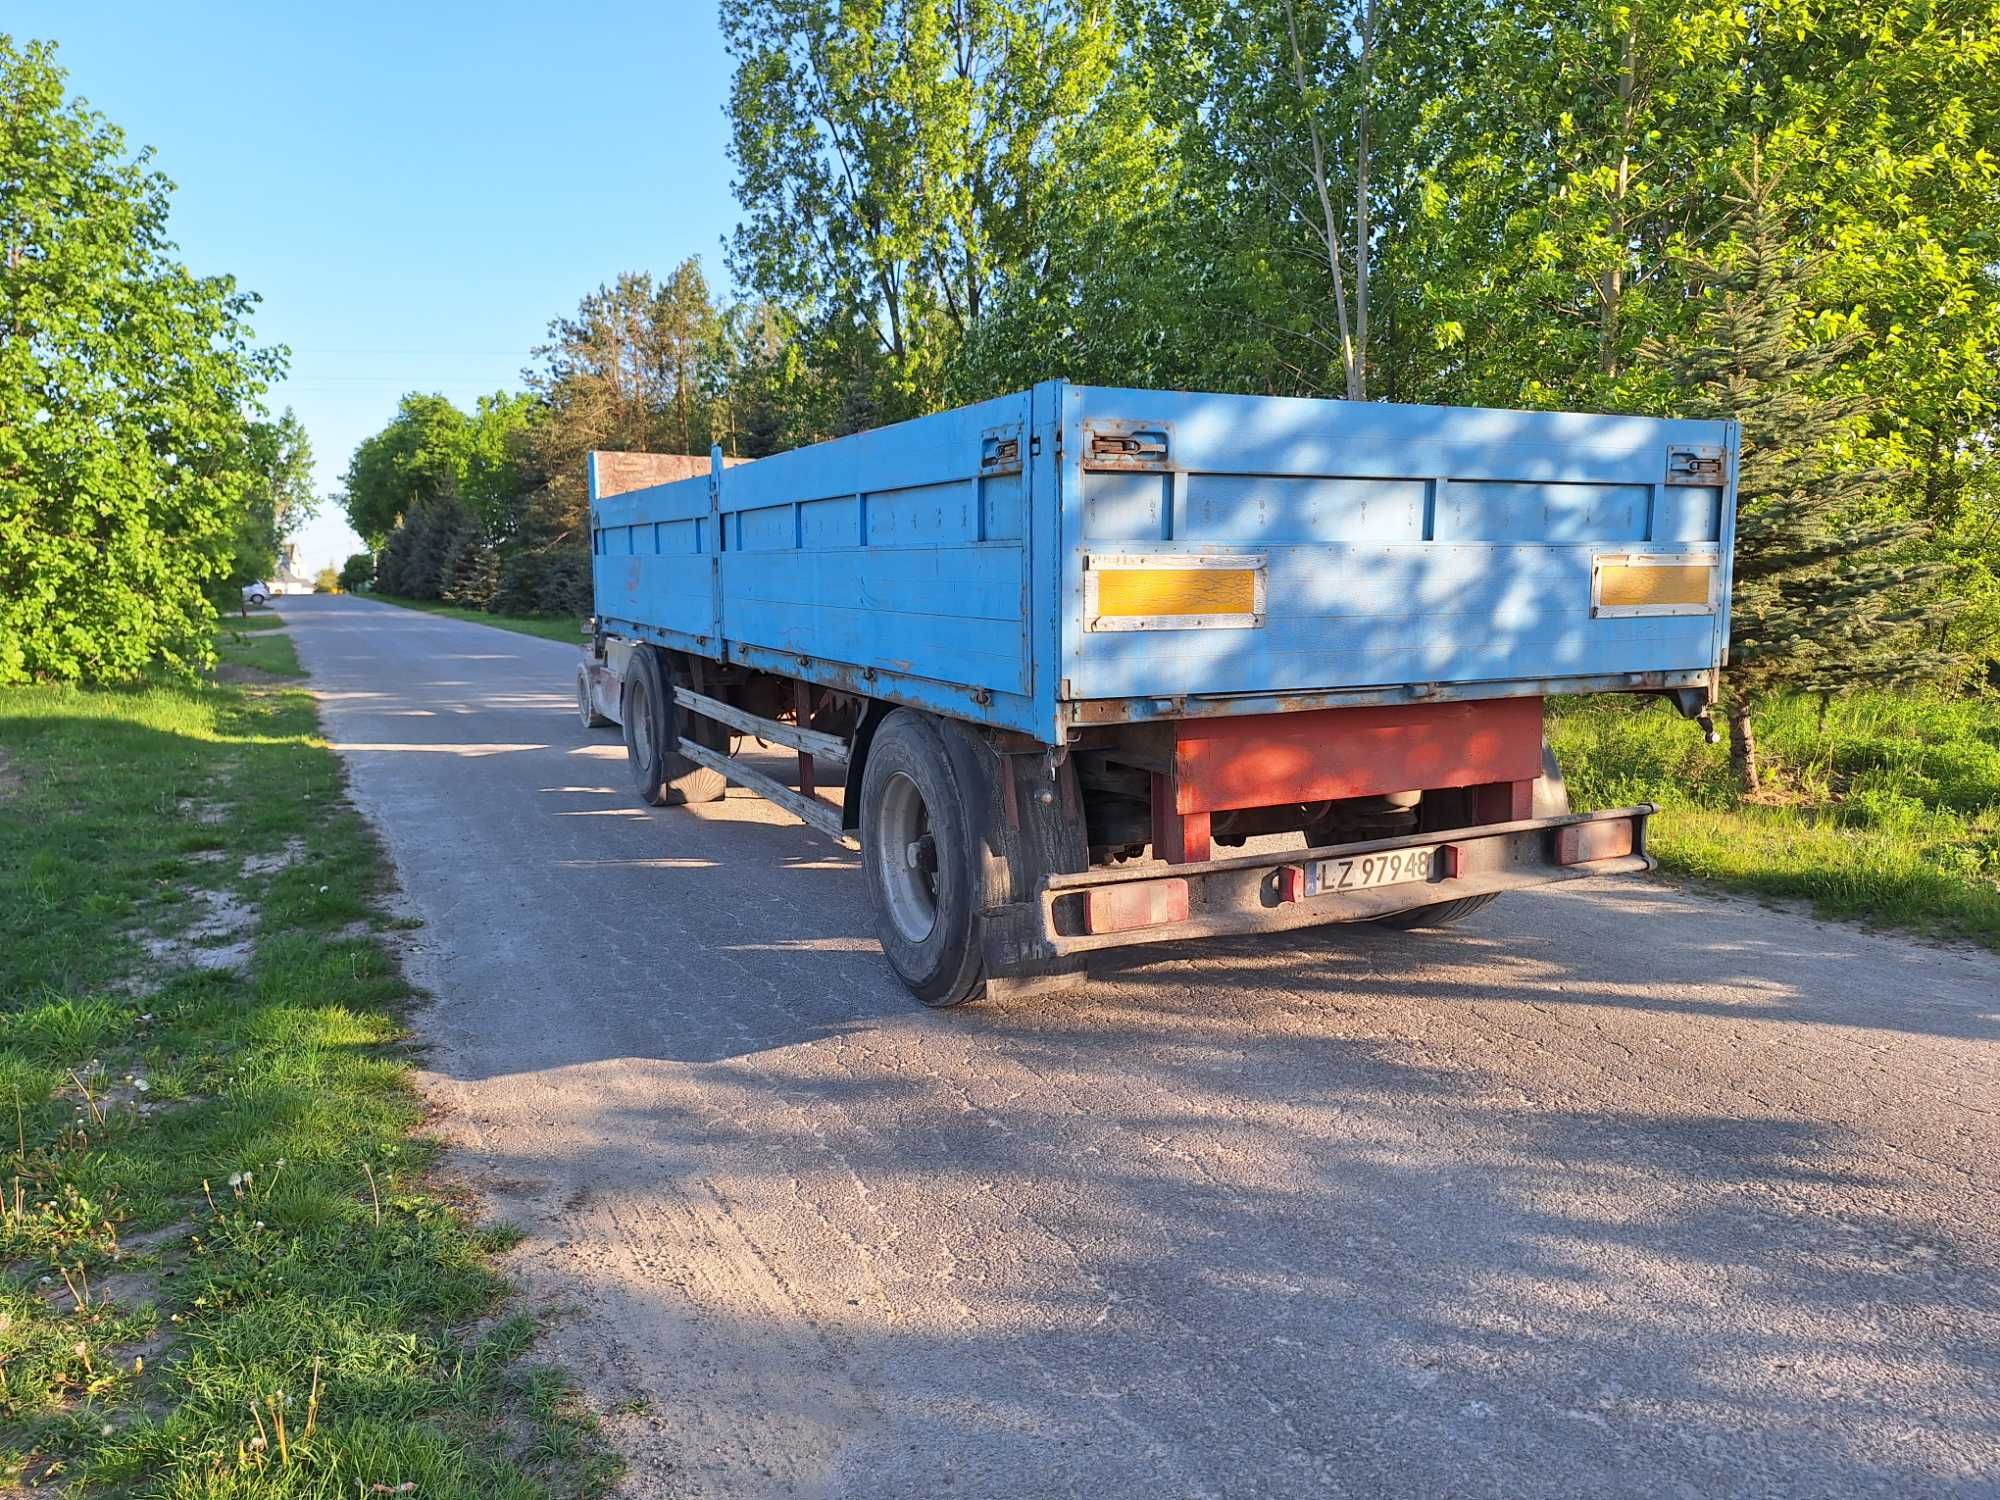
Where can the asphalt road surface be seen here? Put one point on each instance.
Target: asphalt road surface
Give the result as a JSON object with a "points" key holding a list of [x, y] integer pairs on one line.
{"points": [[1613, 1191]]}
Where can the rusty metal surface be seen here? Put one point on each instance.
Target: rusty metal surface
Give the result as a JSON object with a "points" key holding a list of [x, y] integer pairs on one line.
{"points": [[822, 816], [1319, 755], [626, 473], [1084, 712], [830, 747], [1261, 893], [1258, 893], [1139, 870], [1141, 903]]}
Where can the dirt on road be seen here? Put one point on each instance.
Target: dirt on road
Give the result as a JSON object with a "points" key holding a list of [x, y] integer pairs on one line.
{"points": [[1615, 1190]]}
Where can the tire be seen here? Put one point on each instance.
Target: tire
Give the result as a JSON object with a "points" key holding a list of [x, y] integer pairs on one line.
{"points": [[917, 846], [1551, 800], [1438, 914], [1551, 791], [586, 709], [663, 777]]}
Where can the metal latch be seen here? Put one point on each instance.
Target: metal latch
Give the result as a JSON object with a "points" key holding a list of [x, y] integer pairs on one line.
{"points": [[1000, 451], [1129, 445], [1696, 463]]}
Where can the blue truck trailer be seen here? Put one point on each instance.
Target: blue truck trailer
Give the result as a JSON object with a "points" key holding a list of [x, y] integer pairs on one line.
{"points": [[1068, 644]]}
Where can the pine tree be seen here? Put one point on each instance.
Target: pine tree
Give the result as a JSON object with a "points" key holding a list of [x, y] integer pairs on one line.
{"points": [[471, 570], [1824, 598]]}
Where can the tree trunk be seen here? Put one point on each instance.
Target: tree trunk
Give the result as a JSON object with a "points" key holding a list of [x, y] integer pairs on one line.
{"points": [[1743, 746], [1330, 233], [1357, 374], [1612, 288]]}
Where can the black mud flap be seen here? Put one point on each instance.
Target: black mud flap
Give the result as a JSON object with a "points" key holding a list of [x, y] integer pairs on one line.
{"points": [[1026, 828]]}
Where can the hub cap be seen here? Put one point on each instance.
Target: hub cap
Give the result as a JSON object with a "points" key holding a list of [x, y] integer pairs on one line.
{"points": [[905, 856]]}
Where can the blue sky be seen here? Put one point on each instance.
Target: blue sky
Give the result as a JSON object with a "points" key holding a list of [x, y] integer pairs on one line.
{"points": [[415, 189]]}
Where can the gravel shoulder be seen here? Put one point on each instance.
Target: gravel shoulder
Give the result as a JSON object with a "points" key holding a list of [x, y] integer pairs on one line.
{"points": [[1617, 1189]]}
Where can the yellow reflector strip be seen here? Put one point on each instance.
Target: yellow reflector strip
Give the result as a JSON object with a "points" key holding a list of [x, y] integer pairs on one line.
{"points": [[1125, 593], [1621, 585]]}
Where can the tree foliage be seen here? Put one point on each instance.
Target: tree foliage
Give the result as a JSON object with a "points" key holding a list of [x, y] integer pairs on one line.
{"points": [[1824, 600], [127, 465], [357, 573], [899, 162], [278, 500], [1527, 204], [487, 507]]}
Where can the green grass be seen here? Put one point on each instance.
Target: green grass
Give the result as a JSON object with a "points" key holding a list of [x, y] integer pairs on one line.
{"points": [[1888, 813], [567, 628], [259, 644], [263, 618], [217, 1216]]}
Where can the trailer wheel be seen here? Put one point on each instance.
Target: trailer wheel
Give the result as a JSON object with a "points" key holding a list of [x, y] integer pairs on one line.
{"points": [[664, 777], [1551, 801], [916, 842], [1438, 914], [586, 707]]}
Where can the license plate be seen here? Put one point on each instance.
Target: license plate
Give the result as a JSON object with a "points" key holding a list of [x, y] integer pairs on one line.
{"points": [[1366, 872]]}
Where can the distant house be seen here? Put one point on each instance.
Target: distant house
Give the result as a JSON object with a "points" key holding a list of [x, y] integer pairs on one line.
{"points": [[291, 577]]}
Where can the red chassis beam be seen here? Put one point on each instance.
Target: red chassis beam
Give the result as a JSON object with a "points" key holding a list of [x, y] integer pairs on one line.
{"points": [[1268, 760], [1152, 903]]}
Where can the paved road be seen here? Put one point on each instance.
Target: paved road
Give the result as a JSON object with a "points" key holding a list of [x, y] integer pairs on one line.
{"points": [[1614, 1191]]}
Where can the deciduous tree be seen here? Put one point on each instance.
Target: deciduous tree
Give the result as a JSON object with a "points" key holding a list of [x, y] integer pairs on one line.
{"points": [[126, 381], [278, 500], [897, 161]]}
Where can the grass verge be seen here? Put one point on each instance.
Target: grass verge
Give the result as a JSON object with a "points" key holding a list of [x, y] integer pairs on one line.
{"points": [[1887, 810], [255, 649], [223, 1268], [565, 628]]}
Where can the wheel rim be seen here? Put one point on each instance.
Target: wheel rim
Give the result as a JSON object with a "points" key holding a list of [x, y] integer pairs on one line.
{"points": [[905, 855], [642, 724], [583, 700]]}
